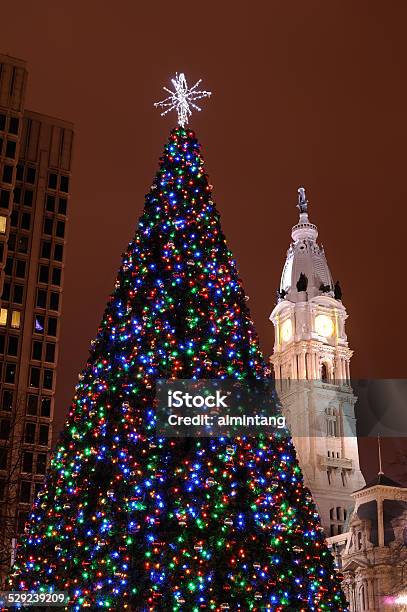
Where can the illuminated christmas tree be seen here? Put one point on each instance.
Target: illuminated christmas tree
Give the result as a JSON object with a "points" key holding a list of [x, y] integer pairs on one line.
{"points": [[128, 520]]}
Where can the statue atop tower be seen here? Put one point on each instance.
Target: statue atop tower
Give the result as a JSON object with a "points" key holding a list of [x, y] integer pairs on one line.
{"points": [[302, 200]]}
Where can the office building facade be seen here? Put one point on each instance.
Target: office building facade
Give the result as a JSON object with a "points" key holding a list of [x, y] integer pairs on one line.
{"points": [[35, 177]]}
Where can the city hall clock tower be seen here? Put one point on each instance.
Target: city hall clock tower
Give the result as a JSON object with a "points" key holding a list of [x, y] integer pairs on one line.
{"points": [[311, 361]]}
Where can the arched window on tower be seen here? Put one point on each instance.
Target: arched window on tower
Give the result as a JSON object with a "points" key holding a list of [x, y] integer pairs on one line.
{"points": [[337, 517], [324, 373], [363, 598], [332, 425]]}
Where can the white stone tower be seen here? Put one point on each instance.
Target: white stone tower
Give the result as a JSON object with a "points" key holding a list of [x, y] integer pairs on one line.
{"points": [[311, 365]]}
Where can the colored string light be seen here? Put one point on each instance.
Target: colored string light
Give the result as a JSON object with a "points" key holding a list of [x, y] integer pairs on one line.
{"points": [[130, 521]]}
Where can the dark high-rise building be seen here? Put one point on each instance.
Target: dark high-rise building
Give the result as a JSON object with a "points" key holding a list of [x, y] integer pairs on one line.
{"points": [[35, 172]]}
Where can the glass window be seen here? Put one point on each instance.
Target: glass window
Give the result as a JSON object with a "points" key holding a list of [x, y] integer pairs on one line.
{"points": [[48, 379], [7, 402], [12, 346], [20, 268], [43, 274], [52, 326], [2, 488], [6, 292], [3, 458], [3, 316], [2, 122], [64, 184], [52, 181], [25, 221], [50, 203], [22, 244], [18, 294], [59, 252], [11, 242], [48, 226], [35, 377], [28, 197], [32, 403], [60, 231], [20, 172], [2, 343], [25, 491], [27, 465], [5, 426], [29, 435], [17, 195], [50, 352], [39, 322], [62, 206], [46, 249], [13, 125], [37, 488], [46, 407], [11, 148], [30, 175], [8, 268], [10, 373], [56, 276], [22, 520], [14, 218], [41, 298], [43, 435], [37, 350], [54, 301], [7, 173], [3, 224], [15, 319], [41, 463], [4, 198]]}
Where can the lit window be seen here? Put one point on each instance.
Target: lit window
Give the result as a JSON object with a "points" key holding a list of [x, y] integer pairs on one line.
{"points": [[3, 224], [15, 319], [3, 316]]}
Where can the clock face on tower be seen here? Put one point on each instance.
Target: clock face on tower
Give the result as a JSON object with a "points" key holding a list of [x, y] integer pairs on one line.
{"points": [[324, 325], [287, 330]]}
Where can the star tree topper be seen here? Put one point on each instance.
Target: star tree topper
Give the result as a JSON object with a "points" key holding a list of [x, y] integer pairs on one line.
{"points": [[182, 98]]}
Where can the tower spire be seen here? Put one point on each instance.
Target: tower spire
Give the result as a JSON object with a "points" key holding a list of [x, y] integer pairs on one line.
{"points": [[380, 473]]}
